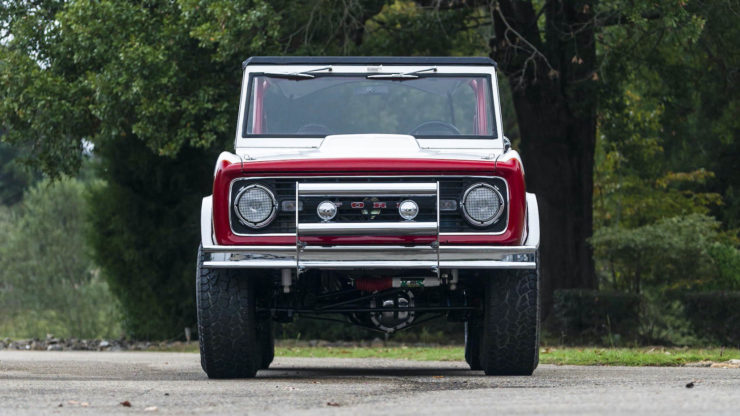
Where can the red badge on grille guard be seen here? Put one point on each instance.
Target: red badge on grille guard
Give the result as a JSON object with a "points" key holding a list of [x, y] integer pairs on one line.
{"points": [[357, 205]]}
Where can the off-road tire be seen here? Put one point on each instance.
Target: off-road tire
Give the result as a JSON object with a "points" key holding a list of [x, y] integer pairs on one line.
{"points": [[227, 322], [510, 334], [472, 343], [266, 339]]}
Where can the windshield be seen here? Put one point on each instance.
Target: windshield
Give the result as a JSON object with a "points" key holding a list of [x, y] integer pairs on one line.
{"points": [[433, 106]]}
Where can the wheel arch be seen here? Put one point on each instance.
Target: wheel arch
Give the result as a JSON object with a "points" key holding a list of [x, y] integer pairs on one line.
{"points": [[533, 221], [206, 221]]}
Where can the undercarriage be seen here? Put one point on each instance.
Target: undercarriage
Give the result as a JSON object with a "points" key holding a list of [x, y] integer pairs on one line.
{"points": [[378, 302]]}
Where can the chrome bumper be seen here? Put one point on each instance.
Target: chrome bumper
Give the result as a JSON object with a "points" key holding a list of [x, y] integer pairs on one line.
{"points": [[431, 257]]}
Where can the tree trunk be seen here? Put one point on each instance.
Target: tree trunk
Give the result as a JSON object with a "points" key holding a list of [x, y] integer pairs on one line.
{"points": [[558, 154], [553, 87]]}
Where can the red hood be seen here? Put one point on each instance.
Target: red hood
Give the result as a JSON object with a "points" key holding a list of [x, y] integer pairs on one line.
{"points": [[360, 166]]}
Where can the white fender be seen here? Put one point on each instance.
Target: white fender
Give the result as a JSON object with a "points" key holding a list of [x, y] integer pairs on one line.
{"points": [[206, 222], [533, 221], [228, 156]]}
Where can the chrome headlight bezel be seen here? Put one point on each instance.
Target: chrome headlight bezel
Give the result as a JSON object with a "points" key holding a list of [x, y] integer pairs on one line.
{"points": [[270, 217], [478, 223]]}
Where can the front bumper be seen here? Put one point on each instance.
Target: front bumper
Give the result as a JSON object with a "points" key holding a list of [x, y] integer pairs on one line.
{"points": [[433, 256]]}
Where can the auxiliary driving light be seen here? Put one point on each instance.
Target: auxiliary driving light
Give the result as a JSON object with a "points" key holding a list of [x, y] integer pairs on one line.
{"points": [[408, 209], [327, 210]]}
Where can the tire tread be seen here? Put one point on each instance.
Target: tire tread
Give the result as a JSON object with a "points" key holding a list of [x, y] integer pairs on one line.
{"points": [[510, 333], [226, 322]]}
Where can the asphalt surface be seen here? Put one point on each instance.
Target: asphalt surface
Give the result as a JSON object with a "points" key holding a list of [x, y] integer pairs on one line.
{"points": [[170, 383]]}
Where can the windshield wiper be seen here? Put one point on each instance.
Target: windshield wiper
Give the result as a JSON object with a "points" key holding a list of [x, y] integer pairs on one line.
{"points": [[402, 76], [298, 75]]}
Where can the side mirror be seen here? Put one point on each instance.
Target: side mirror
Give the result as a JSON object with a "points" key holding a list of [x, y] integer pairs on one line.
{"points": [[507, 144]]}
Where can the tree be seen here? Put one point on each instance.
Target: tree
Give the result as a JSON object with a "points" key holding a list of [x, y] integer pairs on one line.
{"points": [[154, 86], [144, 227], [557, 56], [666, 157], [164, 76], [48, 283], [697, 86], [128, 77], [14, 176]]}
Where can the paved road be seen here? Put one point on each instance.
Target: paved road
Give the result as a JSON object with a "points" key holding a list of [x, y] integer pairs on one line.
{"points": [[96, 383]]}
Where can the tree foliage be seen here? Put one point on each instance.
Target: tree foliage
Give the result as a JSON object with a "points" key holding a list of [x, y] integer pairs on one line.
{"points": [[663, 162], [48, 283], [682, 252], [144, 225], [15, 176], [645, 92]]}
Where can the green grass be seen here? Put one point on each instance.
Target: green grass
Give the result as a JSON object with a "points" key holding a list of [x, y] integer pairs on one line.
{"points": [[647, 356], [656, 356], [401, 352], [644, 356]]}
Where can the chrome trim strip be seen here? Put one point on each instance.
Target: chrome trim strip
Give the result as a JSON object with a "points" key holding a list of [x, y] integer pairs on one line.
{"points": [[248, 249], [297, 240], [487, 264], [368, 264], [250, 264], [341, 249], [367, 189], [377, 228], [272, 264], [439, 225], [250, 178]]}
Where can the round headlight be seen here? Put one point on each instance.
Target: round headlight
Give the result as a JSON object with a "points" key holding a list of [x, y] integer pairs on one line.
{"points": [[408, 209], [482, 204], [255, 206], [327, 210]]}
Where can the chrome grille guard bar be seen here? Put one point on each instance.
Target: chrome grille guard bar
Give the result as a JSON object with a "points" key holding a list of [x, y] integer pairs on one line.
{"points": [[427, 189], [367, 189], [374, 229], [410, 228]]}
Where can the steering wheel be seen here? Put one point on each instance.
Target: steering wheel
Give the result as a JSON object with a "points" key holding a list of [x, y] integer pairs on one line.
{"points": [[314, 128], [435, 127]]}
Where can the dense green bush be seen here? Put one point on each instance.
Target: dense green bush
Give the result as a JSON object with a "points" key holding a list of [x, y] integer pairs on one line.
{"points": [[654, 317], [590, 316], [48, 283], [678, 252], [714, 316], [144, 231]]}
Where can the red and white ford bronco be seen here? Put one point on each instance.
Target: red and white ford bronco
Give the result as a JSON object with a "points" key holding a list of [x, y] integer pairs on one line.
{"points": [[376, 189]]}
